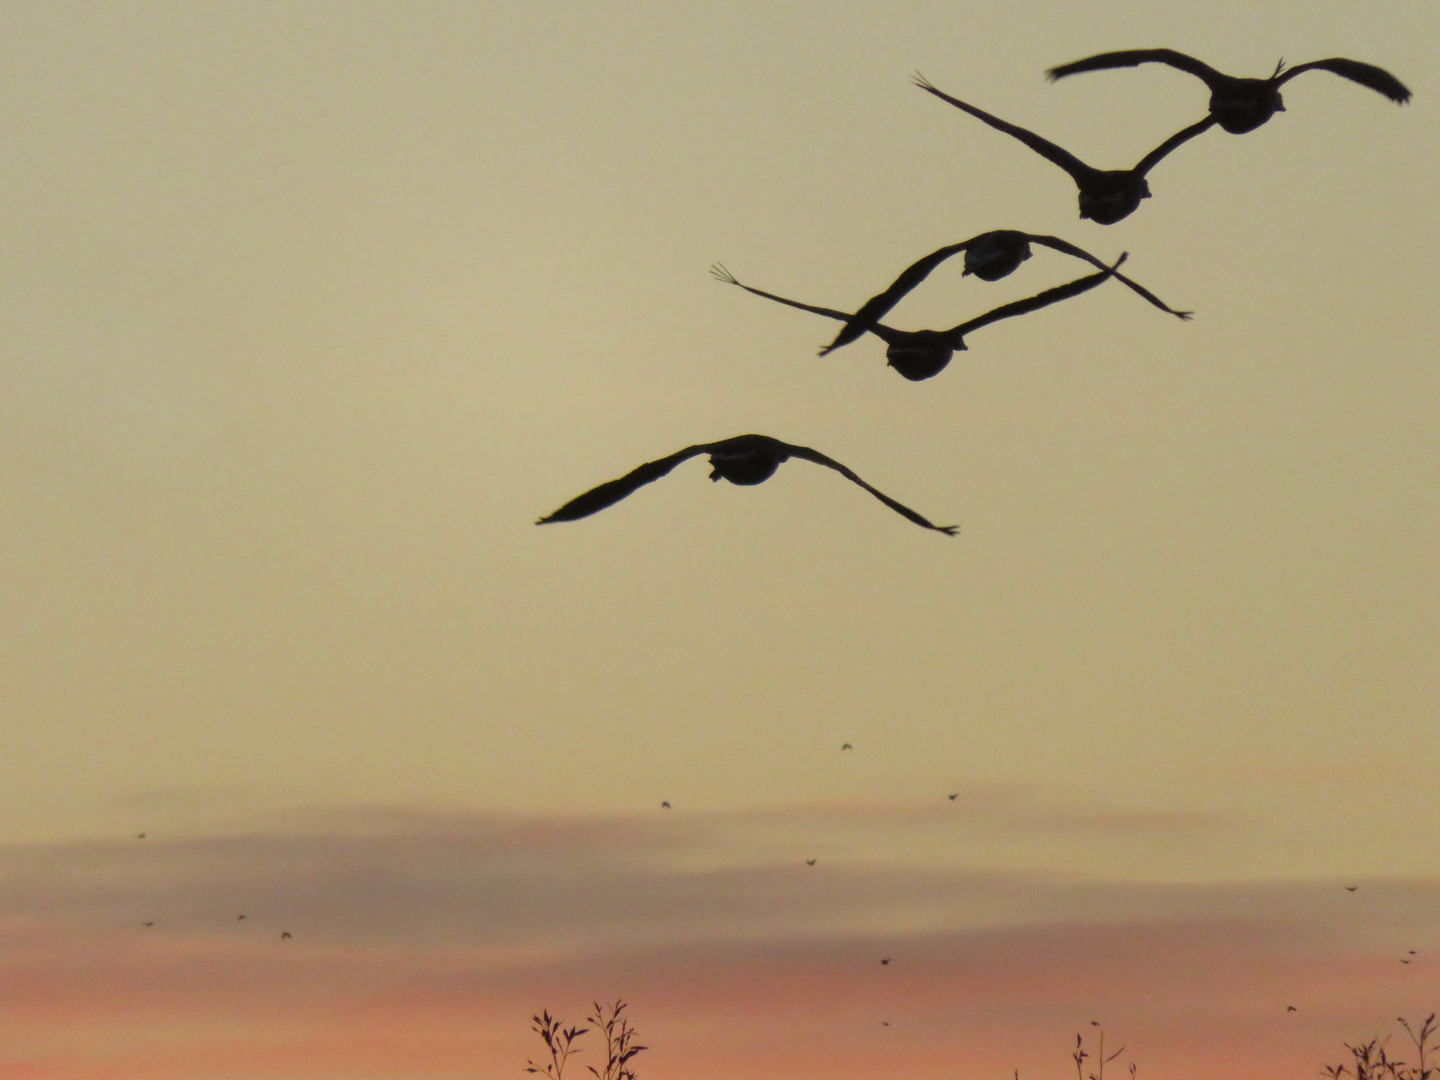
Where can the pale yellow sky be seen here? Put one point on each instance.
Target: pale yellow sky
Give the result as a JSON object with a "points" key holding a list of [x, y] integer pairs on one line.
{"points": [[309, 311]]}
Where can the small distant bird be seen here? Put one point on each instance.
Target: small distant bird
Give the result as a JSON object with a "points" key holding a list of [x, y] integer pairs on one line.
{"points": [[990, 257], [1291, 1008], [809, 862], [884, 960], [1106, 195], [952, 798], [744, 459], [884, 1023], [846, 746], [1351, 888], [139, 836], [923, 354], [1094, 1023], [665, 805], [1406, 961], [284, 935], [1241, 105], [241, 918], [150, 923]]}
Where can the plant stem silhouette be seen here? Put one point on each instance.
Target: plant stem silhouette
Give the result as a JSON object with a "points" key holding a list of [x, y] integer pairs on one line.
{"points": [[559, 1043]]}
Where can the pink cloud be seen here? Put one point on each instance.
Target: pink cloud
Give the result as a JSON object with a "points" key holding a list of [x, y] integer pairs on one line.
{"points": [[422, 944]]}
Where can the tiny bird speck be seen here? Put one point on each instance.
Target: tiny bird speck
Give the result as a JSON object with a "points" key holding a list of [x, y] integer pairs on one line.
{"points": [[665, 805], [809, 862]]}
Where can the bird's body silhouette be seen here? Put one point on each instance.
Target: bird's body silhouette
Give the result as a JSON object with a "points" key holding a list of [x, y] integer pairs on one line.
{"points": [[150, 923], [923, 354], [1351, 888], [1240, 105], [952, 798], [241, 918], [139, 836], [990, 257], [884, 960], [744, 459], [665, 805], [285, 935], [1291, 1008], [1106, 195], [809, 862], [846, 746]]}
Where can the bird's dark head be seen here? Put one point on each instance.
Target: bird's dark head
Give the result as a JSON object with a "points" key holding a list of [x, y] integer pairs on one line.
{"points": [[923, 354], [1114, 198], [996, 255], [745, 467]]}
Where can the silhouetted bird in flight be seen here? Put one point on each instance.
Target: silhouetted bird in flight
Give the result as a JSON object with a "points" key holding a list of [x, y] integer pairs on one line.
{"points": [[665, 805], [952, 798], [1351, 888], [1106, 195], [884, 960], [1291, 1008], [923, 354], [139, 836], [809, 862], [846, 746], [744, 459], [285, 935], [990, 257], [150, 923], [241, 918], [1241, 105]]}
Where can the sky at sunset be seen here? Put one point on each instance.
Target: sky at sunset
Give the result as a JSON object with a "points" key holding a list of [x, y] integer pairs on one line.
{"points": [[310, 310]]}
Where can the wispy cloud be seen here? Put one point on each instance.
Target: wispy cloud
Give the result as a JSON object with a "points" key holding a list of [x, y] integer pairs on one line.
{"points": [[430, 936]]}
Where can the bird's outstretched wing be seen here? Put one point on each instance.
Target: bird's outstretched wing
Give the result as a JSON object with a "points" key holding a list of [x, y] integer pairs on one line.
{"points": [[1039, 300], [721, 274], [1077, 169], [1184, 135], [1135, 57], [875, 308], [612, 491], [1080, 253], [1376, 78], [830, 463]]}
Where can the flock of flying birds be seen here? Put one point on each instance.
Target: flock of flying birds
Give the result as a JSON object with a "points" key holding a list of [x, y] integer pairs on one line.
{"points": [[1409, 956], [149, 924], [1237, 105]]}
